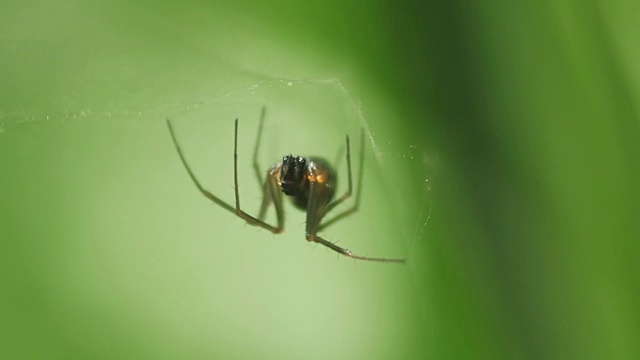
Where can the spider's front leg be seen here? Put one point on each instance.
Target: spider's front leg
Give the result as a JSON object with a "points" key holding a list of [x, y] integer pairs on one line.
{"points": [[270, 188], [193, 177], [270, 194]]}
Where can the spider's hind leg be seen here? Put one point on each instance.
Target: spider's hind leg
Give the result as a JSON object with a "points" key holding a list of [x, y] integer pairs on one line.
{"points": [[344, 197], [347, 252]]}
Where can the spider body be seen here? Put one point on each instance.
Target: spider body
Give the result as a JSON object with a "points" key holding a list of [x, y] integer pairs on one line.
{"points": [[296, 174], [310, 182]]}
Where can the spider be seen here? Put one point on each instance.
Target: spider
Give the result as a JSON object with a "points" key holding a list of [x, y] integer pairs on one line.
{"points": [[310, 182]]}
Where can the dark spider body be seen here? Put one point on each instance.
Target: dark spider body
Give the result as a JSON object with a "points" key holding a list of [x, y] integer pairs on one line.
{"points": [[311, 182], [297, 173]]}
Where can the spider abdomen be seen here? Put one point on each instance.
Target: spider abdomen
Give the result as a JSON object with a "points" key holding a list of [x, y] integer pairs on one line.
{"points": [[297, 174]]}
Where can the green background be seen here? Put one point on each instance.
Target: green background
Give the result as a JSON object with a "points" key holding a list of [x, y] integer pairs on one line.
{"points": [[501, 159]]}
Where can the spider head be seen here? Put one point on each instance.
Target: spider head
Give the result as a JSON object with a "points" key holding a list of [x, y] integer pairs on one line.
{"points": [[292, 174]]}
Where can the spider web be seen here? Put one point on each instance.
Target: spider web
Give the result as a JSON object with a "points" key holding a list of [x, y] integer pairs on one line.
{"points": [[307, 116]]}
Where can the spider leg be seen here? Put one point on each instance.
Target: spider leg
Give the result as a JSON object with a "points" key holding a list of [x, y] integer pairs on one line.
{"points": [[347, 194], [347, 252], [246, 217], [204, 191], [344, 197], [266, 200], [267, 186], [272, 194], [316, 209]]}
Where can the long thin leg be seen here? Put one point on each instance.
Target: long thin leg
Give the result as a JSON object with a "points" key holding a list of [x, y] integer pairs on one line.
{"points": [[204, 192], [256, 166], [248, 218], [356, 204], [347, 252], [348, 193], [271, 194], [266, 200], [316, 209]]}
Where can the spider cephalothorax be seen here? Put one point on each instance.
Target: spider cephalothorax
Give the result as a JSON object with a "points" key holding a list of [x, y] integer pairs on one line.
{"points": [[293, 174]]}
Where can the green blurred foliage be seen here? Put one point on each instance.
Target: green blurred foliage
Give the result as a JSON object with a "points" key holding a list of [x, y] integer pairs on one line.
{"points": [[534, 109]]}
